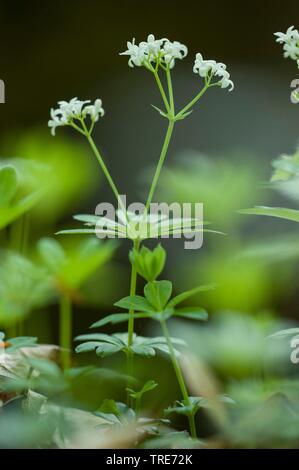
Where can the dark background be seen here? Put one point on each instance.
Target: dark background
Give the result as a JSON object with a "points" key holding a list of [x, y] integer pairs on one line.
{"points": [[57, 50]]}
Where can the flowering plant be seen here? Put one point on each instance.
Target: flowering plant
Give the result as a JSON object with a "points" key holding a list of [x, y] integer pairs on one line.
{"points": [[157, 56]]}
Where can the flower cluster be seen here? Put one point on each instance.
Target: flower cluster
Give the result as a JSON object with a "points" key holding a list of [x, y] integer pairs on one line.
{"points": [[290, 41], [159, 51], [74, 109], [210, 68]]}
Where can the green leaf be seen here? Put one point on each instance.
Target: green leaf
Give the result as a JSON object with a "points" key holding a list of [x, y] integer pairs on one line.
{"points": [[158, 293], [87, 347], [8, 185], [147, 387], [180, 407], [143, 350], [160, 111], [285, 333], [11, 213], [148, 263], [185, 295], [109, 407], [182, 116], [192, 313], [280, 212], [135, 302], [107, 349], [116, 412], [100, 337], [21, 342], [76, 231], [45, 367], [117, 318], [52, 253]]}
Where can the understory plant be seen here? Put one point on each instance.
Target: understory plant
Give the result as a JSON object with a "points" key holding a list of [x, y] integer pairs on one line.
{"points": [[285, 177], [157, 57]]}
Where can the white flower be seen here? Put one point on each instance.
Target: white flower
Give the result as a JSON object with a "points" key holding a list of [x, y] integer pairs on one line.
{"points": [[203, 67], [173, 50], [152, 46], [74, 109], [58, 118], [290, 36], [290, 41], [137, 53], [95, 110], [291, 50], [161, 51], [211, 68]]}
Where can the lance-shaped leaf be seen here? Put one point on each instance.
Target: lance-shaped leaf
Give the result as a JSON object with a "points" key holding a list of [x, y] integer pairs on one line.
{"points": [[186, 295], [289, 332], [135, 302], [192, 313], [116, 318], [279, 212]]}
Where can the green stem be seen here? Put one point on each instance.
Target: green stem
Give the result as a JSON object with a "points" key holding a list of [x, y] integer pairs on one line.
{"points": [[170, 91], [103, 167], [132, 292], [161, 89], [65, 331], [192, 102], [130, 354], [160, 164], [179, 377]]}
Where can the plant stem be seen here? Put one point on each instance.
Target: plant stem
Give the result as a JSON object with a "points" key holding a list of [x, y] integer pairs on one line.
{"points": [[170, 91], [160, 164], [179, 377], [195, 99], [132, 292], [103, 167], [65, 331], [130, 354], [161, 89]]}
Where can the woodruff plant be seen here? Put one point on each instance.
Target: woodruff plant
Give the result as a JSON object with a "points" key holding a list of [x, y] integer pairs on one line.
{"points": [[158, 57], [290, 41]]}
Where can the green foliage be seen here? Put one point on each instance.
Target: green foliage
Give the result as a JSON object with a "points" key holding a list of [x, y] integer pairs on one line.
{"points": [[106, 345], [137, 227], [73, 265], [148, 263], [23, 287], [147, 387], [156, 304], [157, 294], [280, 212], [49, 164], [13, 203]]}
